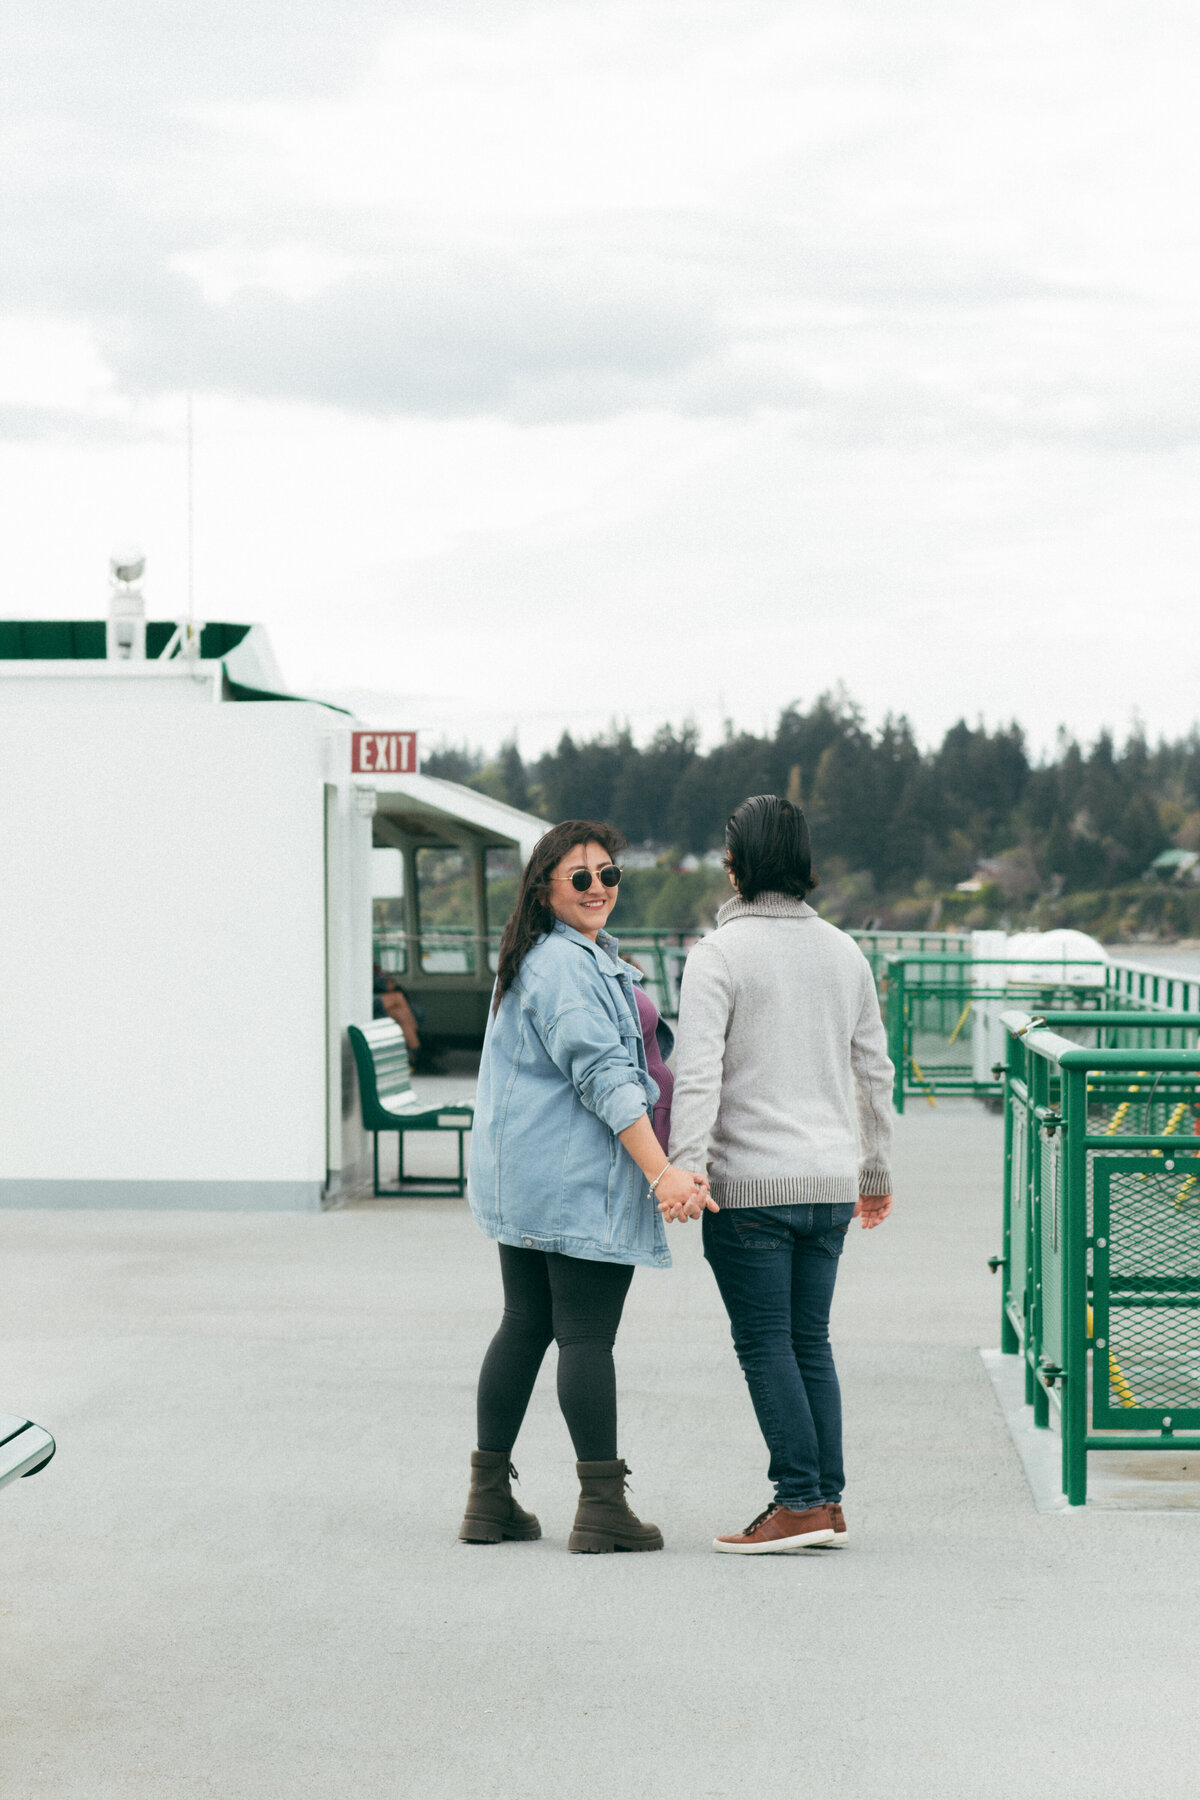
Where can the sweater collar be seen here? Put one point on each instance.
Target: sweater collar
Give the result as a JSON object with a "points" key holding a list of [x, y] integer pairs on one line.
{"points": [[766, 906]]}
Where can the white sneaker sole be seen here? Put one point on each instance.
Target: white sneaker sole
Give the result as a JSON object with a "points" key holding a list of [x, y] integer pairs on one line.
{"points": [[775, 1545]]}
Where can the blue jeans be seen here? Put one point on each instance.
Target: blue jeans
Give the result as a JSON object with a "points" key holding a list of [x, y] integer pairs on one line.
{"points": [[776, 1267]]}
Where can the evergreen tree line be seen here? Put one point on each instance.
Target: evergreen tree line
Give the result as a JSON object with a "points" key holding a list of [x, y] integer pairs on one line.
{"points": [[879, 806]]}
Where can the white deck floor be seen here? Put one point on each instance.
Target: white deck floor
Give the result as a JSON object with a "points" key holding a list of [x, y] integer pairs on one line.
{"points": [[240, 1577]]}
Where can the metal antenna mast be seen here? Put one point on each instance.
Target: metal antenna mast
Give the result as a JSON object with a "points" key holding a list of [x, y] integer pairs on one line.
{"points": [[191, 588], [191, 637]]}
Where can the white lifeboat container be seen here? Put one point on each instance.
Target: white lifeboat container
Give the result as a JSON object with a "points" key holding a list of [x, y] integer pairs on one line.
{"points": [[1072, 959]]}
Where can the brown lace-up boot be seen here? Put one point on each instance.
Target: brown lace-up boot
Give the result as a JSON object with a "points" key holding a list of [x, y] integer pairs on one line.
{"points": [[603, 1520], [492, 1514]]}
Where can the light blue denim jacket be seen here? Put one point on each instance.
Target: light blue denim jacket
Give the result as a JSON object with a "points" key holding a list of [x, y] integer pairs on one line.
{"points": [[563, 1071]]}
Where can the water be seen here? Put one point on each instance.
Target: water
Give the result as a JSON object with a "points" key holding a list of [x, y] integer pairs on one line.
{"points": [[1172, 959]]}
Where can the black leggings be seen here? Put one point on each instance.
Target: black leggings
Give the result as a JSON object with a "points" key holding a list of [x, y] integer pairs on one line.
{"points": [[548, 1296]]}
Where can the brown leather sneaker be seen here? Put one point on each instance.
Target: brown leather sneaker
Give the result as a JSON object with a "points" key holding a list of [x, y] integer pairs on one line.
{"points": [[779, 1529], [837, 1519]]}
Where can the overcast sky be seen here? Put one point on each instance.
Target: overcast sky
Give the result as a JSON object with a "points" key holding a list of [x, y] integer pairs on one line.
{"points": [[561, 363]]}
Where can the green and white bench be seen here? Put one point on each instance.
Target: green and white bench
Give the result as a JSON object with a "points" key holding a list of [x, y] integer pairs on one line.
{"points": [[24, 1448], [390, 1104]]}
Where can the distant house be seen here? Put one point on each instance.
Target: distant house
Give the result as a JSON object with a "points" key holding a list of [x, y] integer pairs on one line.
{"points": [[712, 859], [642, 856], [1174, 865]]}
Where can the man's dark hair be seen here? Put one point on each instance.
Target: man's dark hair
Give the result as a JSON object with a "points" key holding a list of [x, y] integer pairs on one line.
{"points": [[767, 848]]}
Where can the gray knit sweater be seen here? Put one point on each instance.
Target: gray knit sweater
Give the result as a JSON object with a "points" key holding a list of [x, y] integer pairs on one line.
{"points": [[783, 1087]]}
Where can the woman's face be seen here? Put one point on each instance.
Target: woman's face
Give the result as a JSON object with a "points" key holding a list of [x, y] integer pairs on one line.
{"points": [[588, 911]]}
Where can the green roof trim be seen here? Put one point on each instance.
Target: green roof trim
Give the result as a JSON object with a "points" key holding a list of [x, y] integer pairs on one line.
{"points": [[215, 640], [239, 691], [51, 640], [83, 640]]}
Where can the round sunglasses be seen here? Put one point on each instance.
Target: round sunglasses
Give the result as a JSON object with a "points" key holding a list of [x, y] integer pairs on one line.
{"points": [[581, 879]]}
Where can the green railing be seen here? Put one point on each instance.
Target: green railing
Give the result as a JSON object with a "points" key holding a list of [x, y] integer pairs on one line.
{"points": [[456, 950], [943, 1015], [943, 1011], [877, 946], [1155, 989], [929, 983], [459, 947], [1101, 1244], [660, 955], [441, 950]]}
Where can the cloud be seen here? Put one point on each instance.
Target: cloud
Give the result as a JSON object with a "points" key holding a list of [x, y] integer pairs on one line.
{"points": [[446, 335], [362, 206], [776, 341], [65, 425], [129, 60]]}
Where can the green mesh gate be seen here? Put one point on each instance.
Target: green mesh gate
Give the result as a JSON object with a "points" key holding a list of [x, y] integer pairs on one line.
{"points": [[1146, 1293], [1101, 1250]]}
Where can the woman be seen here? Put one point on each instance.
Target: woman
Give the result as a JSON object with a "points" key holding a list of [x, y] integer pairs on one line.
{"points": [[783, 1092], [565, 1169], [658, 1040]]}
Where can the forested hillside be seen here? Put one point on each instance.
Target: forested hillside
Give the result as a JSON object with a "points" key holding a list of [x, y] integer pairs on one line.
{"points": [[895, 827]]}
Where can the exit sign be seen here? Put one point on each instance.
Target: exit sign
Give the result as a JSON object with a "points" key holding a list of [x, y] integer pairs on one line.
{"points": [[384, 753]]}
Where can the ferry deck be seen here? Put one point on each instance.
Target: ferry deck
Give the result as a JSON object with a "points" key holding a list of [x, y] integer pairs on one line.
{"points": [[240, 1575]]}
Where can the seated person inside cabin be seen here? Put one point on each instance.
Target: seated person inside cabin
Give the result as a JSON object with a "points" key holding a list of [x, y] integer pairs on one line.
{"points": [[391, 1002]]}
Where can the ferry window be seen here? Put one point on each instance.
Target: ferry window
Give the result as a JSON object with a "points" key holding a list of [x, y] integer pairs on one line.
{"points": [[502, 872], [387, 908], [445, 907]]}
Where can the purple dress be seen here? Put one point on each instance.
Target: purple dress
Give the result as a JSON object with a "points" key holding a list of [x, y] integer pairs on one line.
{"points": [[660, 1118]]}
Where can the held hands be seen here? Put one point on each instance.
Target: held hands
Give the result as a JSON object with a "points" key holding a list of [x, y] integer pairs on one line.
{"points": [[680, 1193], [872, 1209], [683, 1195]]}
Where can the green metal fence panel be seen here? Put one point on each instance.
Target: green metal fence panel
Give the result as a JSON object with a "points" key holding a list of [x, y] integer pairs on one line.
{"points": [[877, 946], [1156, 989], [1146, 1293], [1017, 1249], [935, 1000], [933, 974], [933, 1005], [660, 954], [1050, 1266], [1101, 1228], [456, 950], [1139, 984]]}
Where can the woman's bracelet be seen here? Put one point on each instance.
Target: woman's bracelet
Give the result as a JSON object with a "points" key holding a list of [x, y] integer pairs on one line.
{"points": [[659, 1176]]}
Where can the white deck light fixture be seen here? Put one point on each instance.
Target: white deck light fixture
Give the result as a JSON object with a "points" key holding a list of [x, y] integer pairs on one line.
{"points": [[125, 640]]}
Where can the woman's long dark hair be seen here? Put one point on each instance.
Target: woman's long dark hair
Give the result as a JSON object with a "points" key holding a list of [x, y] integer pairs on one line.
{"points": [[531, 916]]}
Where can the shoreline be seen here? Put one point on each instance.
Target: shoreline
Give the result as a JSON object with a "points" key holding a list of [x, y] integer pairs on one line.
{"points": [[1180, 957]]}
